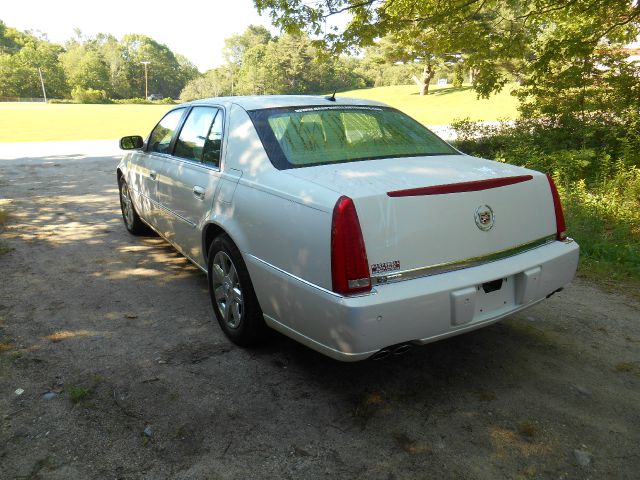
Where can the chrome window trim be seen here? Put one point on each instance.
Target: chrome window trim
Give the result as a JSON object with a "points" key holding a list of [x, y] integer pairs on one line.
{"points": [[191, 162], [460, 264]]}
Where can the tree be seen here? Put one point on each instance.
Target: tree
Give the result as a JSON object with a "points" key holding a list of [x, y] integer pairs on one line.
{"points": [[85, 68], [166, 75], [493, 35], [21, 55], [214, 83], [236, 46], [414, 46], [253, 76]]}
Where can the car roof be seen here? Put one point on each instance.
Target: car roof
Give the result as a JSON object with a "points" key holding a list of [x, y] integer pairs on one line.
{"points": [[275, 101]]}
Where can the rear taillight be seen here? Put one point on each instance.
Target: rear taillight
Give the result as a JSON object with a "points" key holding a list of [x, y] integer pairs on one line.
{"points": [[349, 264], [561, 229]]}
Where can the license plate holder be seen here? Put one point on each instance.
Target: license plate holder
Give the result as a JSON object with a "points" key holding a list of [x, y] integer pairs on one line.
{"points": [[493, 297]]}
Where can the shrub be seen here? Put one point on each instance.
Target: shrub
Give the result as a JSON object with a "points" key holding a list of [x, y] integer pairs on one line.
{"points": [[61, 101], [135, 101], [89, 95]]}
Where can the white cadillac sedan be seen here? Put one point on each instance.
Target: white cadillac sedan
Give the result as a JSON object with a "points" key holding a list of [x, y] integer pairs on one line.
{"points": [[343, 223]]}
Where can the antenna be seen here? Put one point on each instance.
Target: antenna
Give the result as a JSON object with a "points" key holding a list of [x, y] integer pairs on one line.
{"points": [[332, 98]]}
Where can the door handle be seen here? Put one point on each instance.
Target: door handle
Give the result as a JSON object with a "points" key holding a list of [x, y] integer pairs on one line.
{"points": [[153, 174], [198, 192]]}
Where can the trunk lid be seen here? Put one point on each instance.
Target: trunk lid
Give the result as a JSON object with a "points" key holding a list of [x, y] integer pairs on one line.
{"points": [[426, 227]]}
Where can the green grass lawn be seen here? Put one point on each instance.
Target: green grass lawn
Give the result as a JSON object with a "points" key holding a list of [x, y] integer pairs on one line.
{"points": [[443, 104], [38, 122]]}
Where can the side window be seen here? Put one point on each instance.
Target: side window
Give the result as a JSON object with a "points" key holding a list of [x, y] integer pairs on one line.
{"points": [[194, 137], [213, 145], [161, 136]]}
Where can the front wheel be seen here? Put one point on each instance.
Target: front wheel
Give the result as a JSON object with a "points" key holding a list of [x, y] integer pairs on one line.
{"points": [[132, 220], [232, 296]]}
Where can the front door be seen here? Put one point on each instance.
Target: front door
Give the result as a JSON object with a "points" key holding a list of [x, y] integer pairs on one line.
{"points": [[187, 181], [147, 166]]}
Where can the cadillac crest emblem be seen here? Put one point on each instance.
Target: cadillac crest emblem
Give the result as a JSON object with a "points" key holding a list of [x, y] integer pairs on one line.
{"points": [[484, 218]]}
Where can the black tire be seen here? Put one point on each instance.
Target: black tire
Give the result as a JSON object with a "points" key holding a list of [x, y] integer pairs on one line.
{"points": [[233, 298], [131, 219]]}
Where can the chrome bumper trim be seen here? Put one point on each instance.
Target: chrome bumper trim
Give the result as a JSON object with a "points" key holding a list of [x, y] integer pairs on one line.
{"points": [[460, 264]]}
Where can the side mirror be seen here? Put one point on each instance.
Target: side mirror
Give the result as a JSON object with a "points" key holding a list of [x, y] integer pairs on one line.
{"points": [[131, 142]]}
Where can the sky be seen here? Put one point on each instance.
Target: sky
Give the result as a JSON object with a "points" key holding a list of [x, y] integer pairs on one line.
{"points": [[195, 29]]}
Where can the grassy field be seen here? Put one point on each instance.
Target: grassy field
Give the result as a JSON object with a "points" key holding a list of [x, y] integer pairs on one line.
{"points": [[443, 104], [37, 122], [28, 122]]}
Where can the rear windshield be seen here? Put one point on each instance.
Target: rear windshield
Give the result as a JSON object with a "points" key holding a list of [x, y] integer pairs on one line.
{"points": [[306, 136]]}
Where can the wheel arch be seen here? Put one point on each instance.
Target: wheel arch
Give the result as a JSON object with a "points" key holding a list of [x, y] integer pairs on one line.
{"points": [[210, 232]]}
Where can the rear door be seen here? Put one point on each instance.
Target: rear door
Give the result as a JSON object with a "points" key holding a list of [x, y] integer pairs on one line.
{"points": [[188, 179]]}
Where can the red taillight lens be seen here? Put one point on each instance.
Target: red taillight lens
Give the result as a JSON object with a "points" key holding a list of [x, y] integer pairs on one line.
{"points": [[349, 264], [561, 229]]}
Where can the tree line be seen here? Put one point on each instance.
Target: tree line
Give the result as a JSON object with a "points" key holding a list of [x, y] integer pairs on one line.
{"points": [[258, 63], [94, 69], [100, 67]]}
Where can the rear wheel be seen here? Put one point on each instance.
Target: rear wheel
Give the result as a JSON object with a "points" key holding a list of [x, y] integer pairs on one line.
{"points": [[132, 220], [232, 296]]}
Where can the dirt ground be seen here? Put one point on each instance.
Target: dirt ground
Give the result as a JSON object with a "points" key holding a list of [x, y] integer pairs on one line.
{"points": [[111, 366]]}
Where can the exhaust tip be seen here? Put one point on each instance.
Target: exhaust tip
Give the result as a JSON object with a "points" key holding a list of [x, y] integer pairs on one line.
{"points": [[391, 350], [385, 352], [402, 349]]}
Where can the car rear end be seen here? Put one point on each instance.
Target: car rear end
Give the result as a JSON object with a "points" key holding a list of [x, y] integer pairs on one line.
{"points": [[425, 242]]}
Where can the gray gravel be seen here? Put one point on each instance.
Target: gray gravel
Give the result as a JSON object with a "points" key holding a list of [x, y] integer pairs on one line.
{"points": [[120, 327]]}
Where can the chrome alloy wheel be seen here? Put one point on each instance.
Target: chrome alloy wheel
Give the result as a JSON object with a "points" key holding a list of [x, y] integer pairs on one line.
{"points": [[126, 204], [227, 290]]}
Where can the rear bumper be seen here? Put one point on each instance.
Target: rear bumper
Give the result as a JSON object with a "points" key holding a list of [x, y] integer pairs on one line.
{"points": [[416, 311]]}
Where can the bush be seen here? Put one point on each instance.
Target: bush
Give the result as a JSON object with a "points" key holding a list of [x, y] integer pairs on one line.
{"points": [[63, 101], [89, 95], [143, 101], [135, 101]]}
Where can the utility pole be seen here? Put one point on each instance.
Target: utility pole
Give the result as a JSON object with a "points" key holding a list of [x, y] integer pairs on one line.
{"points": [[146, 80], [44, 92]]}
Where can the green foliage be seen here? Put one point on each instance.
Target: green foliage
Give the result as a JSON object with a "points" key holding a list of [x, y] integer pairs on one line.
{"points": [[101, 63], [61, 101], [19, 65], [597, 176], [236, 46], [133, 101], [259, 64], [216, 82], [558, 50], [77, 393], [144, 101], [89, 95]]}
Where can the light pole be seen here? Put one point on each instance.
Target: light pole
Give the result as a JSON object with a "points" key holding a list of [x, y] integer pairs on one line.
{"points": [[44, 92], [146, 80]]}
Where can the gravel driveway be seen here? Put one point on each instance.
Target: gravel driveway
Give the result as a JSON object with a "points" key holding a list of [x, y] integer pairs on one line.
{"points": [[111, 366]]}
